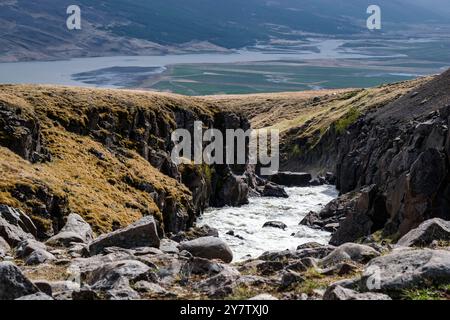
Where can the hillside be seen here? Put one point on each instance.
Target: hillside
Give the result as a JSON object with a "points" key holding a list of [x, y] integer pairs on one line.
{"points": [[103, 154], [36, 31]]}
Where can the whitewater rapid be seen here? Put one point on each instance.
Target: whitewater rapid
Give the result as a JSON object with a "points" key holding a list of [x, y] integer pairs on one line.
{"points": [[247, 221]]}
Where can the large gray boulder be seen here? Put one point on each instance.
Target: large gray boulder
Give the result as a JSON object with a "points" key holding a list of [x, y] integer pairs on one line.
{"points": [[406, 269], [208, 248], [426, 233], [75, 230], [340, 293], [350, 252], [142, 233], [13, 284]]}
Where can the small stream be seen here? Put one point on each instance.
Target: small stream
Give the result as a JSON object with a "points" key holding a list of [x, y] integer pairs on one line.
{"points": [[247, 221]]}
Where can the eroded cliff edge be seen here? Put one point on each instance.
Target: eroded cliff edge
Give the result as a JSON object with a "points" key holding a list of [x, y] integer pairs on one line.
{"points": [[105, 154]]}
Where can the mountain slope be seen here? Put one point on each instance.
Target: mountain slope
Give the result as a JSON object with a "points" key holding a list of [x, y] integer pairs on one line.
{"points": [[36, 30]]}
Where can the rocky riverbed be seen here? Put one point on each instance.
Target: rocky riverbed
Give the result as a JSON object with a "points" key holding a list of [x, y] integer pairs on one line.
{"points": [[134, 263]]}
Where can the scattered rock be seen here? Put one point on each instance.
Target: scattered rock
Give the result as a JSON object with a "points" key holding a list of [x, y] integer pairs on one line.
{"points": [[273, 190], [13, 284], [263, 297], [290, 278], [195, 233], [38, 257], [269, 267], [350, 252], [36, 296], [309, 245], [44, 286], [76, 230], [169, 246], [19, 219], [209, 248], [139, 234], [317, 253], [150, 288], [291, 179], [201, 266], [341, 269], [275, 224], [27, 247], [12, 234], [4, 248], [340, 293], [426, 233]]}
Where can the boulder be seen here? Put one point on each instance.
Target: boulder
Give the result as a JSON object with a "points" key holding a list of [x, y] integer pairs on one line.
{"points": [[201, 266], [290, 278], [107, 275], [4, 248], [275, 224], [75, 230], [13, 284], [169, 246], [27, 247], [18, 218], [269, 267], [263, 296], [36, 296], [426, 233], [13, 234], [291, 179], [274, 191], [209, 248], [340, 293], [38, 257], [406, 269], [316, 253], [140, 234], [350, 252]]}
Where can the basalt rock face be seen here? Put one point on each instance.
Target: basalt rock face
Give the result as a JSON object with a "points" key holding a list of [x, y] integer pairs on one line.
{"points": [[116, 145], [21, 133], [401, 151]]}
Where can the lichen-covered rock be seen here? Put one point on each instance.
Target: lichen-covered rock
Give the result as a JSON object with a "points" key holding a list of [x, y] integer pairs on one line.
{"points": [[142, 233]]}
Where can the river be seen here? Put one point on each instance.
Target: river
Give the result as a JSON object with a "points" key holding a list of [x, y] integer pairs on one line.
{"points": [[247, 221], [62, 72]]}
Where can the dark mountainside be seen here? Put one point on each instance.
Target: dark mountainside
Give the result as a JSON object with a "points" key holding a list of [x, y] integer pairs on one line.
{"points": [[31, 30], [399, 155], [91, 207]]}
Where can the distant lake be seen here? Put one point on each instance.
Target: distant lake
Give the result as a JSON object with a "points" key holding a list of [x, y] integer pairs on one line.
{"points": [[119, 71]]}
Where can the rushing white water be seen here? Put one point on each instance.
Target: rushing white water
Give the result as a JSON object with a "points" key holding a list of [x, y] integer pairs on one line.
{"points": [[247, 221]]}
